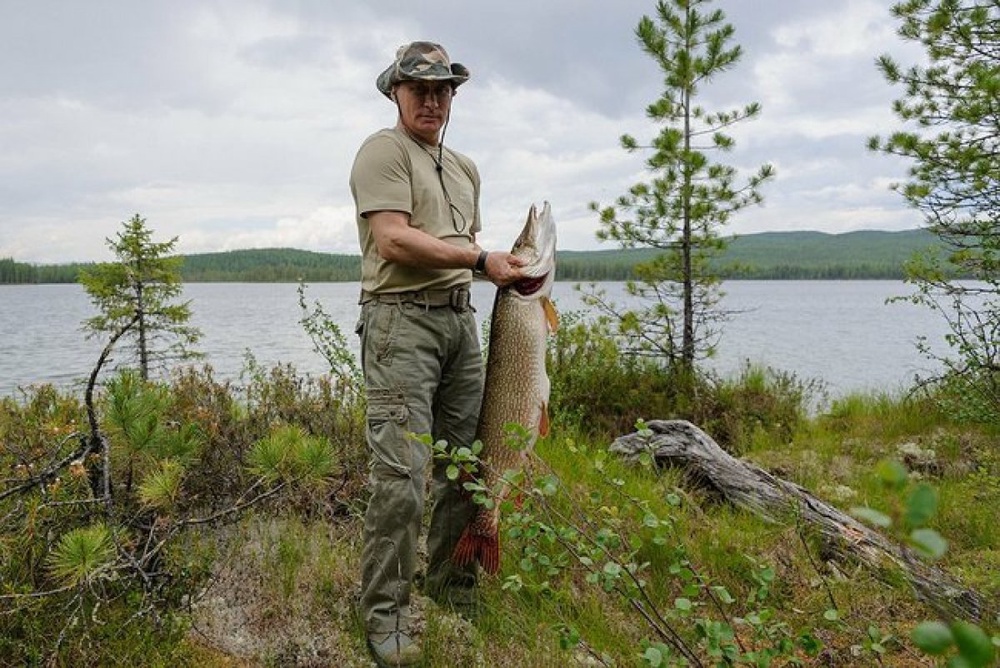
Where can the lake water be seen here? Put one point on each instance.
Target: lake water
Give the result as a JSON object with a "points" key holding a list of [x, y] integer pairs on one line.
{"points": [[840, 332]]}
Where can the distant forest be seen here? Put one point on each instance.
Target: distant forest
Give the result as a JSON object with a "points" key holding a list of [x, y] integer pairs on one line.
{"points": [[768, 255]]}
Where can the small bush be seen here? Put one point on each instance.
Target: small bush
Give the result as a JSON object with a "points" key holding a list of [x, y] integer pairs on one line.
{"points": [[600, 390], [597, 388], [92, 545], [760, 404]]}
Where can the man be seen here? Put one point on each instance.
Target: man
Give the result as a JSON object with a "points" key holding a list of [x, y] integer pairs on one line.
{"points": [[418, 216]]}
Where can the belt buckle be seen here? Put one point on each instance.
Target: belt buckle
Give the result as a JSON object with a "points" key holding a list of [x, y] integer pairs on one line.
{"points": [[459, 299]]}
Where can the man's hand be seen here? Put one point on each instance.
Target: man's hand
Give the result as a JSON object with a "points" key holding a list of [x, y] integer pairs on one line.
{"points": [[503, 268]]}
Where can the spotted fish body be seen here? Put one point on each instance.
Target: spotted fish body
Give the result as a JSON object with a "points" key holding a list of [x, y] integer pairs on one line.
{"points": [[517, 386]]}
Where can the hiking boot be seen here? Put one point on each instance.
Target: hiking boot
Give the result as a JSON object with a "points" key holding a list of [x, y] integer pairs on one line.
{"points": [[463, 601], [395, 648]]}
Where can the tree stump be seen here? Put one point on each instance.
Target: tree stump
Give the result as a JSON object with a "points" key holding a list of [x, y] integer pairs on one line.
{"points": [[681, 444]]}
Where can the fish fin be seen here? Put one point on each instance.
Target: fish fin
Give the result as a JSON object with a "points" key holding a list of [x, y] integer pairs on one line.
{"points": [[550, 314], [472, 546], [543, 420]]}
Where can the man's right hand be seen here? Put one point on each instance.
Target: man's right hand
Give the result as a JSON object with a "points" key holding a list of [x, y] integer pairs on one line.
{"points": [[503, 268]]}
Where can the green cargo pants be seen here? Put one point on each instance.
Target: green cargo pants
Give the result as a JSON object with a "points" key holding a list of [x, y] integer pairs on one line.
{"points": [[423, 373]]}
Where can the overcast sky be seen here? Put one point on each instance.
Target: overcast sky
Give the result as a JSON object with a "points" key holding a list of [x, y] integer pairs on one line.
{"points": [[233, 125]]}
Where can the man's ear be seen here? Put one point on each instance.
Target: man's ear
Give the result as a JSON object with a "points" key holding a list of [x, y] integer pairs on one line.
{"points": [[392, 94]]}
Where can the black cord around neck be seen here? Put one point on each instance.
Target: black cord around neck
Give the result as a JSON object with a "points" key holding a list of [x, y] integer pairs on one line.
{"points": [[438, 165]]}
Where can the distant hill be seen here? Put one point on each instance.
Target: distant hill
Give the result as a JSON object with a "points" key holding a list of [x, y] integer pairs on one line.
{"points": [[767, 255], [776, 255], [863, 254]]}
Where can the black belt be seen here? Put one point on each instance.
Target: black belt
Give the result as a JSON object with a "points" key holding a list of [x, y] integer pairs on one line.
{"points": [[456, 298]]}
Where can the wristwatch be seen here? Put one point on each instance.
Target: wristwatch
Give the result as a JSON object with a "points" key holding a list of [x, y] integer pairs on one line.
{"points": [[480, 267]]}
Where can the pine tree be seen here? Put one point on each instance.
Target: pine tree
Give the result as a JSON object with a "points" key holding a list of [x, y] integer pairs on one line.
{"points": [[134, 296], [690, 197], [951, 105]]}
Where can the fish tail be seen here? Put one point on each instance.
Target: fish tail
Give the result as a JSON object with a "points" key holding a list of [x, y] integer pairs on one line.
{"points": [[474, 546]]}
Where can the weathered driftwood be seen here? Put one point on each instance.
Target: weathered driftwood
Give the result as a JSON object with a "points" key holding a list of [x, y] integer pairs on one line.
{"points": [[678, 443]]}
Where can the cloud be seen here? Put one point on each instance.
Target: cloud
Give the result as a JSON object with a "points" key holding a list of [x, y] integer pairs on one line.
{"points": [[233, 124]]}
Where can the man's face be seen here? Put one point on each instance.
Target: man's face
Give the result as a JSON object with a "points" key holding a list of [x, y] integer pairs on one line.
{"points": [[424, 107]]}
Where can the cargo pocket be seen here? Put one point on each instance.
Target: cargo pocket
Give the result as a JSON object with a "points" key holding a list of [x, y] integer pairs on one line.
{"points": [[387, 432], [385, 322]]}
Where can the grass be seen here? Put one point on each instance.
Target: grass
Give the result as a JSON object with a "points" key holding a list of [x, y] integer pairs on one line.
{"points": [[312, 567], [283, 581]]}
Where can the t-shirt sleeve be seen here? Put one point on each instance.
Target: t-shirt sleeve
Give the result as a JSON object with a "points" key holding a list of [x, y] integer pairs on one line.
{"points": [[477, 223], [380, 177]]}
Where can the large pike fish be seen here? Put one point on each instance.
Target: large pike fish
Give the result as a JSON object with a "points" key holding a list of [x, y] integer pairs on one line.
{"points": [[517, 387]]}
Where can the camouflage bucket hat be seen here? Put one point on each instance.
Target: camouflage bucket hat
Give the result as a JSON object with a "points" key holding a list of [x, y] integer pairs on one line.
{"points": [[421, 61]]}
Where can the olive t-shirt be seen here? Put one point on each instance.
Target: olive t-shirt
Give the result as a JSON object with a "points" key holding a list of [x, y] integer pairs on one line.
{"points": [[394, 172]]}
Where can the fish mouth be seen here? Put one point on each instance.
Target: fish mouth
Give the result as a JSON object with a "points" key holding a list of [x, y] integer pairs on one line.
{"points": [[537, 246], [530, 285]]}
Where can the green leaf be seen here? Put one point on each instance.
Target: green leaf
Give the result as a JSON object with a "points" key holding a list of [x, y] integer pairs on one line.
{"points": [[550, 486], [892, 473], [569, 637], [929, 543], [934, 638], [831, 615], [810, 644], [653, 657], [451, 472], [723, 594], [921, 505], [973, 644], [872, 516], [612, 569]]}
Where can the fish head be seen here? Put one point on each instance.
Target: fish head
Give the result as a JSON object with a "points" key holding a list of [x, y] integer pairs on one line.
{"points": [[536, 245]]}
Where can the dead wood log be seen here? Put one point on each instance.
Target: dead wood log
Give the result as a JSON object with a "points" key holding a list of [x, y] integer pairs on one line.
{"points": [[678, 443]]}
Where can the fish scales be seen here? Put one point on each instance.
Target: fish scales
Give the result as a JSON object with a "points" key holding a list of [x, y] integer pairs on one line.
{"points": [[517, 385]]}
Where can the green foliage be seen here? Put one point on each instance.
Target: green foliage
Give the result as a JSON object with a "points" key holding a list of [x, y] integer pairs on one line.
{"points": [[329, 341], [148, 448], [916, 505], [81, 554], [608, 541], [584, 539], [181, 456], [599, 389], [679, 212], [271, 265], [134, 296], [759, 404], [289, 453], [12, 272], [817, 255], [16, 272], [969, 395], [949, 106], [161, 487]]}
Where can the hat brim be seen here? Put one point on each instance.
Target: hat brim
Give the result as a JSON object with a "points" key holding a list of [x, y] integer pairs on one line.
{"points": [[391, 76]]}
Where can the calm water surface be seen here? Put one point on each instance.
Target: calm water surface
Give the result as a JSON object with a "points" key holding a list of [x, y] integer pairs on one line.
{"points": [[840, 332]]}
